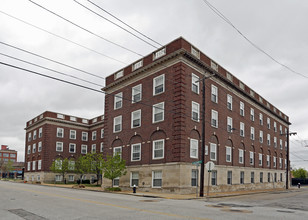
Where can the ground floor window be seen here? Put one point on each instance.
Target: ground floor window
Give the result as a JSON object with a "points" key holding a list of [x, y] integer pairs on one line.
{"points": [[252, 177], [275, 177], [242, 177], [281, 177], [71, 178], [194, 177], [229, 177], [32, 178], [116, 182], [269, 177], [261, 177], [38, 178], [214, 178], [134, 179], [58, 178], [157, 178]]}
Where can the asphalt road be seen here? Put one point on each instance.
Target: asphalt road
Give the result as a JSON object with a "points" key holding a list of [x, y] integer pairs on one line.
{"points": [[35, 202]]}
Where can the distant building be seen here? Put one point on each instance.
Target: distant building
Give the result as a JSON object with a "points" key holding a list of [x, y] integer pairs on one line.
{"points": [[7, 155], [53, 135], [153, 111]]}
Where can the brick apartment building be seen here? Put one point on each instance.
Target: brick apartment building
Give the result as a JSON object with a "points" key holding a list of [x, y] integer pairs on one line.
{"points": [[153, 119], [53, 135], [7, 154]]}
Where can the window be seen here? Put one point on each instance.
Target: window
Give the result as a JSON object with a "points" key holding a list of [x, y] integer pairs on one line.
{"points": [[229, 177], [59, 146], [102, 146], [136, 119], [73, 118], [252, 133], [268, 160], [71, 165], [274, 161], [252, 177], [214, 65], [84, 136], [58, 178], [269, 177], [116, 182], [118, 74], [134, 179], [29, 149], [193, 148], [214, 178], [11, 155], [268, 139], [280, 144], [213, 148], [251, 158], [157, 178], [33, 165], [195, 111], [261, 177], [34, 148], [252, 114], [195, 83], [214, 120], [159, 53], [72, 148], [280, 177], [118, 99], [268, 123], [60, 132], [28, 166], [137, 65], [260, 159], [275, 142], [29, 137], [102, 133], [214, 94], [117, 124], [261, 118], [71, 178], [93, 148], [242, 109], [85, 121], [280, 129], [229, 77], [229, 102], [39, 164], [159, 84], [34, 134], [117, 151], [252, 93], [158, 149], [195, 52], [280, 162], [241, 156], [72, 134], [194, 177], [242, 177], [136, 152], [158, 112], [261, 136], [229, 124], [275, 126], [60, 116], [242, 129], [275, 176], [136, 93], [94, 135], [84, 149], [228, 154]]}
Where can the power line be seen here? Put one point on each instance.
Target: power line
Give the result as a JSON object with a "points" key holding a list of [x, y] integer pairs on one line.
{"points": [[217, 12], [82, 28], [54, 61], [64, 74], [115, 24], [124, 23], [50, 77], [63, 38]]}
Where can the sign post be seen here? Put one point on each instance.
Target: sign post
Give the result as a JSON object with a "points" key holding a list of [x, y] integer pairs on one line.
{"points": [[209, 166], [197, 180]]}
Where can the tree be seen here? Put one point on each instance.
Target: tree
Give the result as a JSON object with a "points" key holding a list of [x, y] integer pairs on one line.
{"points": [[82, 166], [97, 163], [299, 173], [6, 167], [114, 167], [60, 166]]}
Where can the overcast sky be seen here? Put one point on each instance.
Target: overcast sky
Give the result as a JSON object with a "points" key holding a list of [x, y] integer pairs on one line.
{"points": [[279, 27]]}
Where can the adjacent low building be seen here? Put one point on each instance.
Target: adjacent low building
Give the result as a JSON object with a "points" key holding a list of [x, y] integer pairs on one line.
{"points": [[54, 135]]}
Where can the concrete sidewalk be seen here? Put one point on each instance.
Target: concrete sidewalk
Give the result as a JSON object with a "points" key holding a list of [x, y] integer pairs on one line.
{"points": [[175, 196]]}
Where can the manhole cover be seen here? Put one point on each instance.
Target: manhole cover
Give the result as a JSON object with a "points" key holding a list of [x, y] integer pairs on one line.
{"points": [[148, 200], [237, 210], [285, 211]]}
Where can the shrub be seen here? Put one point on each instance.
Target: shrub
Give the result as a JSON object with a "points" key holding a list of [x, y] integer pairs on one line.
{"points": [[113, 189]]}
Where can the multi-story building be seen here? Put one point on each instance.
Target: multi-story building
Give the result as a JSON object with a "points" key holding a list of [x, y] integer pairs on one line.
{"points": [[53, 135], [7, 155], [153, 119]]}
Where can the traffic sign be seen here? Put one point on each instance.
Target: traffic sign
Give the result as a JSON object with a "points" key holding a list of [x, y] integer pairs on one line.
{"points": [[197, 162], [209, 166]]}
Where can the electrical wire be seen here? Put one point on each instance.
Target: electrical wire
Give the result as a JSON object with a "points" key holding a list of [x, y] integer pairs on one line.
{"points": [[84, 29], [217, 12]]}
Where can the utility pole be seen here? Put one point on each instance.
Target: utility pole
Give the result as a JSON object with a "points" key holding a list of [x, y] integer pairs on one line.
{"points": [[288, 157]]}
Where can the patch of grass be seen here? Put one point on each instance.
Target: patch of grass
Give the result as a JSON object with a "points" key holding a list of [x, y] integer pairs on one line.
{"points": [[113, 189]]}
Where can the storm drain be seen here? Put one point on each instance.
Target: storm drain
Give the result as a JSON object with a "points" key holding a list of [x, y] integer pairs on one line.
{"points": [[26, 215]]}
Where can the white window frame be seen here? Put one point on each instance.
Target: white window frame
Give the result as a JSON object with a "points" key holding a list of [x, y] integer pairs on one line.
{"points": [[195, 108], [157, 109], [156, 174], [275, 142], [93, 148], [84, 149], [252, 133], [229, 124], [194, 146], [59, 146], [69, 148], [155, 84], [252, 114], [251, 158], [213, 151], [261, 118], [242, 129], [39, 164], [60, 132], [260, 159], [268, 139], [136, 115], [137, 90], [155, 149], [133, 177], [102, 133], [229, 102], [117, 150], [195, 83], [118, 98], [214, 118], [268, 160], [242, 108], [214, 94], [34, 148], [29, 149], [228, 154], [28, 165], [133, 151], [261, 136], [268, 123], [84, 136], [94, 135], [275, 126], [241, 156], [117, 121], [34, 134], [34, 165], [73, 134], [102, 147], [39, 146], [40, 134]]}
